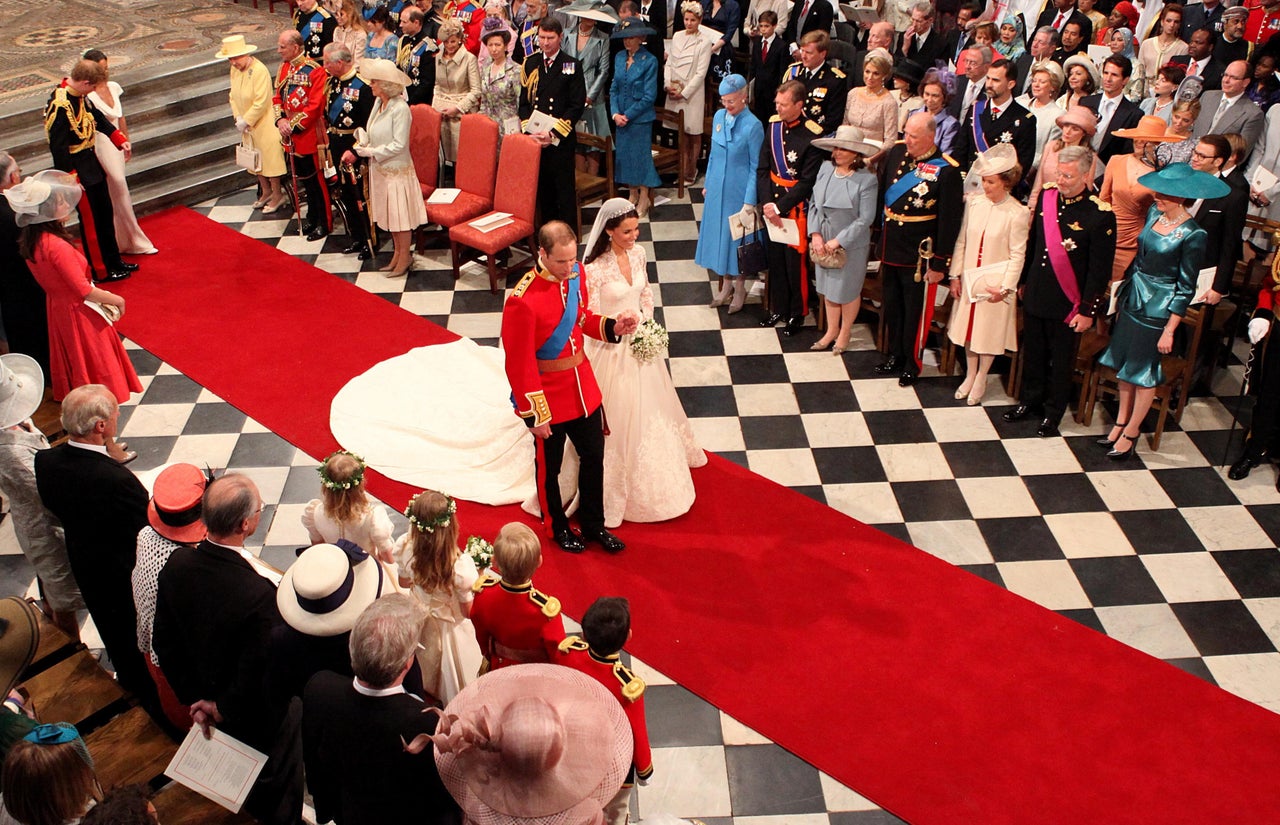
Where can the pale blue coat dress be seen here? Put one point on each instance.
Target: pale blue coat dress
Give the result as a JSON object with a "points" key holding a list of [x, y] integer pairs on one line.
{"points": [[843, 208], [730, 183]]}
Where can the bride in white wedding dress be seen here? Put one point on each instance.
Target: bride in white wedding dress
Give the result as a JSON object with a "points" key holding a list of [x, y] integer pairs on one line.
{"points": [[650, 445], [129, 235]]}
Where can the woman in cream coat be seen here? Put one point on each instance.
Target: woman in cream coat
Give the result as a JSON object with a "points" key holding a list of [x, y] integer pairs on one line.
{"points": [[994, 230], [684, 78], [457, 86], [251, 92]]}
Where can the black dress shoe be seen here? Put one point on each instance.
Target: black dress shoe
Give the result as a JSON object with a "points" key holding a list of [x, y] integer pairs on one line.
{"points": [[888, 367], [793, 326], [126, 266], [771, 320], [355, 247], [607, 540], [1022, 411], [113, 275], [317, 233], [1047, 429], [907, 379], [569, 541], [1243, 467]]}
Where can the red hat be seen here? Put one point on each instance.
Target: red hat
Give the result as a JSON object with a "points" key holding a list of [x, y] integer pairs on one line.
{"points": [[175, 508], [1129, 11]]}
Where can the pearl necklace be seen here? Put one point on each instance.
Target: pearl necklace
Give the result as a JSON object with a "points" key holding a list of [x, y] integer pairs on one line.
{"points": [[1165, 220]]}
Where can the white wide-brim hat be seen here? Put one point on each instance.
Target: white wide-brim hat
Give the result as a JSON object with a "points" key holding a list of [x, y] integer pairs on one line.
{"points": [[235, 46], [999, 158], [851, 138], [49, 195], [328, 587], [21, 388], [377, 68]]}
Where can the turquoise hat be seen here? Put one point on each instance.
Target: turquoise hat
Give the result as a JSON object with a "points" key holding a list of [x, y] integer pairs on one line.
{"points": [[732, 83], [1179, 180]]}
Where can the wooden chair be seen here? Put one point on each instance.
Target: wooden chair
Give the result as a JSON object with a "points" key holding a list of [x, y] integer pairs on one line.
{"points": [[518, 168], [1171, 394], [477, 171], [73, 690], [873, 302], [592, 188], [179, 805], [130, 749], [668, 148]]}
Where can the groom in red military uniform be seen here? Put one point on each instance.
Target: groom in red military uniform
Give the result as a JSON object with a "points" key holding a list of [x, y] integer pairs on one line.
{"points": [[552, 386], [299, 110]]}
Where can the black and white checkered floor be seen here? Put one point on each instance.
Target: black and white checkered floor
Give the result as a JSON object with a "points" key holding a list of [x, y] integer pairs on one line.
{"points": [[1163, 553]]}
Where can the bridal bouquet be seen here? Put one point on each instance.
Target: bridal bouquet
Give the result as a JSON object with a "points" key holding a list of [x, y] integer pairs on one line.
{"points": [[649, 341], [480, 551]]}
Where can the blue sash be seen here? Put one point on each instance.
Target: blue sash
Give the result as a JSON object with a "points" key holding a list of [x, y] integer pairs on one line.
{"points": [[335, 108], [779, 152], [900, 186], [560, 335], [979, 139]]}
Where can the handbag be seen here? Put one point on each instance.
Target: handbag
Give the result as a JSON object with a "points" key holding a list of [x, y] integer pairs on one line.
{"points": [[829, 260], [247, 157], [752, 259]]}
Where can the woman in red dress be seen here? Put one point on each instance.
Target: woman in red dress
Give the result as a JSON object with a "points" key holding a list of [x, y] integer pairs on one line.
{"points": [[84, 347]]}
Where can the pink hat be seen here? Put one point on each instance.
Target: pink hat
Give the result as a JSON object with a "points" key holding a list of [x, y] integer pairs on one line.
{"points": [[532, 744], [1081, 116], [175, 508]]}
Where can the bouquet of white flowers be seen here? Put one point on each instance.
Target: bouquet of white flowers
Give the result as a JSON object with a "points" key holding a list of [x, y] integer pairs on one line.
{"points": [[480, 551], [649, 341]]}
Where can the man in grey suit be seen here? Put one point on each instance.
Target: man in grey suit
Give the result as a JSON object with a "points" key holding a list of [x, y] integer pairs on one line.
{"points": [[1230, 110]]}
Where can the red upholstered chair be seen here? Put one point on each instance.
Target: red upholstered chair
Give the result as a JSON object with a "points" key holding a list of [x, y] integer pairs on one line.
{"points": [[424, 147], [477, 169], [518, 169]]}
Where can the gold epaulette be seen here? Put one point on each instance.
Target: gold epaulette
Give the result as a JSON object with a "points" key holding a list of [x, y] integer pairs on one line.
{"points": [[486, 580], [950, 159], [632, 685], [571, 643], [550, 604], [524, 283], [899, 142], [1053, 184], [775, 117], [813, 127], [837, 72], [1103, 206]]}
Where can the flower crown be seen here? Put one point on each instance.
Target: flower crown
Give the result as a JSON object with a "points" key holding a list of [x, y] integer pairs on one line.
{"points": [[356, 480], [439, 521]]}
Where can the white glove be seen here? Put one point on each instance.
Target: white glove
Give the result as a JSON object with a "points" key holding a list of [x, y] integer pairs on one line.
{"points": [[362, 151], [1258, 329], [644, 783], [748, 213], [242, 125]]}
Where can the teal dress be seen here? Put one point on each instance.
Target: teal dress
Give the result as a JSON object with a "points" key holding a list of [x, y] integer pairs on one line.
{"points": [[1161, 283]]}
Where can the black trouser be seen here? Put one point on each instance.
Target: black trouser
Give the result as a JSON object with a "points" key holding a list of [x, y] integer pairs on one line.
{"points": [[1266, 413], [309, 180], [557, 192], [587, 435], [1048, 356], [785, 297], [104, 222], [903, 303], [349, 193]]}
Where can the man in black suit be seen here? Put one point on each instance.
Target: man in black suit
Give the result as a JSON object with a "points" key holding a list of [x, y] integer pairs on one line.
{"points": [[1199, 62], [346, 723], [551, 83], [1202, 15], [959, 39], [970, 81], [1063, 11], [1061, 293], [1000, 119], [102, 506], [768, 61], [1070, 42], [1114, 110], [215, 612], [1039, 51], [1222, 218], [807, 16], [921, 43]]}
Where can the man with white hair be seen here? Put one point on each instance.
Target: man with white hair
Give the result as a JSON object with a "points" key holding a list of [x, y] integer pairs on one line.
{"points": [[102, 506], [22, 302], [879, 36], [298, 107], [921, 43]]}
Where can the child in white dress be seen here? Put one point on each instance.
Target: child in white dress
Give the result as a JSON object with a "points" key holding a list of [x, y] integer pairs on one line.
{"points": [[441, 576], [344, 511]]}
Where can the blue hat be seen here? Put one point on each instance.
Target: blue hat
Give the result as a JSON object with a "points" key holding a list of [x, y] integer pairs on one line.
{"points": [[732, 83], [631, 27], [53, 734], [1179, 180]]}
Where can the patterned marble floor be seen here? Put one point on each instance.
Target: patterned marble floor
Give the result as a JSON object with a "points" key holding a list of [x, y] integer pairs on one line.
{"points": [[1162, 553]]}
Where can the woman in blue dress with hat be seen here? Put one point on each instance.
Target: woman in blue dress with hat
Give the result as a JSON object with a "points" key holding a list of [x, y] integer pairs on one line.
{"points": [[631, 98], [1155, 295], [730, 186]]}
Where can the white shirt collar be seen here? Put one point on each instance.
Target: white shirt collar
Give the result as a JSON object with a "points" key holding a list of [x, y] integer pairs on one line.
{"points": [[552, 58], [365, 690], [1231, 100], [93, 448]]}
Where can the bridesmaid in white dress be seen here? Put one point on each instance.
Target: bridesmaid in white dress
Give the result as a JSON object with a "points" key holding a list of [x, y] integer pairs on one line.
{"points": [[441, 576], [650, 446], [344, 511], [106, 99]]}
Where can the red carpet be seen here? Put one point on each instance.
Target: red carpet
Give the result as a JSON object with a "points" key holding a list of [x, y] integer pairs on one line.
{"points": [[943, 698]]}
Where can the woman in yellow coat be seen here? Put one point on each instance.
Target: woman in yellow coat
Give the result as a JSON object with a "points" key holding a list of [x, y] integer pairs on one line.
{"points": [[251, 106], [985, 269]]}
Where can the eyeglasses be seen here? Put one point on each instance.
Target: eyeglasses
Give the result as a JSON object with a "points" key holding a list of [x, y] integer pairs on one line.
{"points": [[1203, 156], [1235, 76]]}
